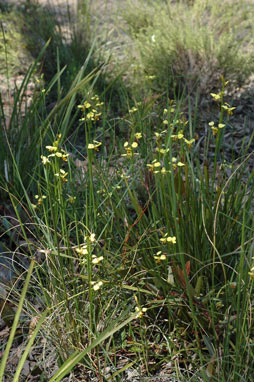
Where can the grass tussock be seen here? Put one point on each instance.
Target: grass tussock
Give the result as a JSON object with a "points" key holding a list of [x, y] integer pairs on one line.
{"points": [[190, 44]]}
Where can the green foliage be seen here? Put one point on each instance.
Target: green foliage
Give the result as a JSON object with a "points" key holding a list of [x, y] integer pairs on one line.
{"points": [[146, 220], [189, 45], [142, 232], [13, 49]]}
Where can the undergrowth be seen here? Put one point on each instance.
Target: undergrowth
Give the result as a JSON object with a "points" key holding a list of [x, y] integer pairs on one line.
{"points": [[189, 44], [13, 48]]}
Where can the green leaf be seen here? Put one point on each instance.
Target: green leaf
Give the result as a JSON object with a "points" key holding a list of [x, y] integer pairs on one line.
{"points": [[16, 320]]}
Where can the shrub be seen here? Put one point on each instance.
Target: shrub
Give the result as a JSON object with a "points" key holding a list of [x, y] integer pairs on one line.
{"points": [[190, 44]]}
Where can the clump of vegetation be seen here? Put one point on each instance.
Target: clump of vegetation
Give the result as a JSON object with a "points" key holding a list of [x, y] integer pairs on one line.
{"points": [[14, 54], [138, 232], [190, 44]]}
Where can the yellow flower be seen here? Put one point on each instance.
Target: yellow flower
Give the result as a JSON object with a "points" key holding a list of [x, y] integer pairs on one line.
{"points": [[140, 311], [64, 157], [176, 164], [59, 155], [62, 174], [217, 97], [171, 239], [40, 199], [129, 150], [168, 239], [87, 105], [129, 153], [96, 286], [92, 237], [214, 129], [56, 154], [133, 109], [96, 260], [138, 136], [162, 151], [82, 250], [94, 145], [189, 142], [153, 166], [229, 109], [124, 176], [251, 273], [51, 148], [178, 136], [44, 159], [90, 115], [159, 257], [164, 171], [71, 199]]}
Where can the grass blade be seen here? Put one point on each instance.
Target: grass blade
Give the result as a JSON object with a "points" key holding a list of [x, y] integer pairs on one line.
{"points": [[16, 320]]}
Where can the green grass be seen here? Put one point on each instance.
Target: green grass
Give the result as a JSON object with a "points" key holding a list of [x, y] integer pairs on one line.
{"points": [[183, 44], [13, 48], [141, 233]]}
